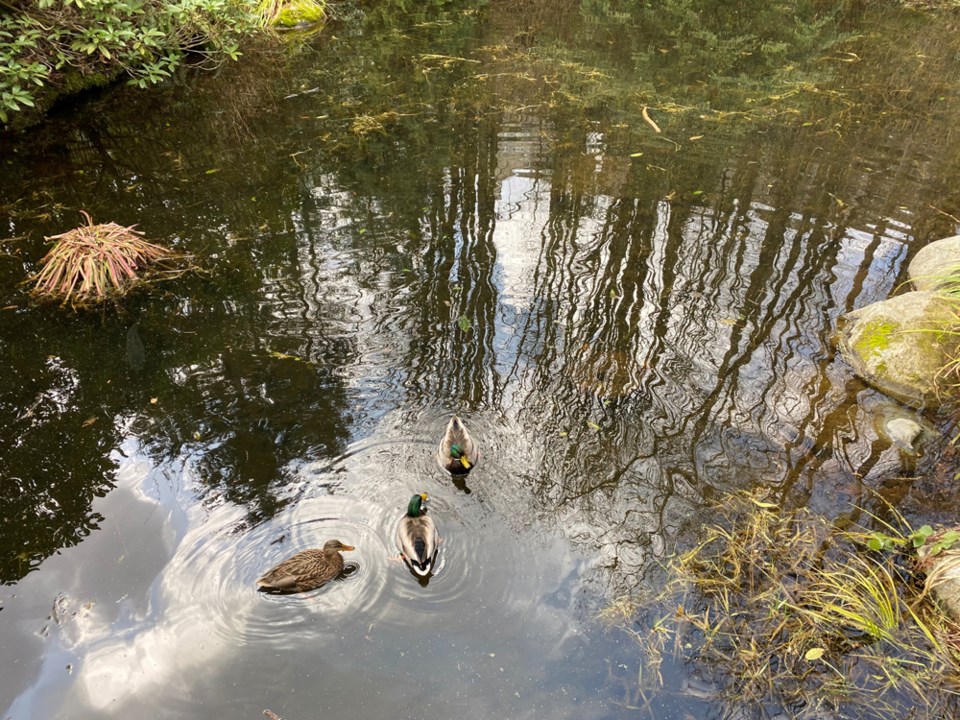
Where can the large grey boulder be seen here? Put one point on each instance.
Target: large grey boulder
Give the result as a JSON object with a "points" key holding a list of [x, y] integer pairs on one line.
{"points": [[933, 261], [898, 346], [942, 573]]}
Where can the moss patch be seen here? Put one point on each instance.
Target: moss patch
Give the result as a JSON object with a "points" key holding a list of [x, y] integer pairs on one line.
{"points": [[874, 338], [299, 12]]}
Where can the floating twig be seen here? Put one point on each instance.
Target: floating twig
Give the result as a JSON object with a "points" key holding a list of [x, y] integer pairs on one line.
{"points": [[649, 120]]}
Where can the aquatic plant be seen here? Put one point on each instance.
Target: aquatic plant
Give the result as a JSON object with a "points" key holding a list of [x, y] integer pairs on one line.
{"points": [[785, 609], [95, 262]]}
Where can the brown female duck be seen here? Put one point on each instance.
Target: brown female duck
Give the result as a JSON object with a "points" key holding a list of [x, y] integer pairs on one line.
{"points": [[306, 570]]}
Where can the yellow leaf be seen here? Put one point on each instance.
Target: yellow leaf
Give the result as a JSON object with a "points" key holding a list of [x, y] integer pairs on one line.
{"points": [[760, 503], [153, 401], [89, 421], [814, 654], [696, 137]]}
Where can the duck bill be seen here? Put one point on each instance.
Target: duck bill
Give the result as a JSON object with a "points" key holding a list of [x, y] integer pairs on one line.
{"points": [[465, 462], [345, 548]]}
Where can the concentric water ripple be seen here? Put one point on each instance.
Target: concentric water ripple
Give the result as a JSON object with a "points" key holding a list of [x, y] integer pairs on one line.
{"points": [[218, 569]]}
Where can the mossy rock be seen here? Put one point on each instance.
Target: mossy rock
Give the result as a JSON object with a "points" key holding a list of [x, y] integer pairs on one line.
{"points": [[942, 573], [299, 13], [899, 345], [932, 265]]}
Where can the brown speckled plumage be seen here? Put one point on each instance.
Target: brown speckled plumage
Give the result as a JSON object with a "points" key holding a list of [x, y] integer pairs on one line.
{"points": [[306, 570]]}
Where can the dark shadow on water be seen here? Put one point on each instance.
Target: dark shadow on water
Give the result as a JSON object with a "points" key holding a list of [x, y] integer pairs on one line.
{"points": [[422, 580], [460, 483]]}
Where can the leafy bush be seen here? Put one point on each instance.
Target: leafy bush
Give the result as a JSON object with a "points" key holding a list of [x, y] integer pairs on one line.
{"points": [[48, 44]]}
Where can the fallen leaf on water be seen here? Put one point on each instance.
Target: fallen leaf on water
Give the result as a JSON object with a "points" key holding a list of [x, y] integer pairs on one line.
{"points": [[694, 138], [761, 504], [464, 323], [593, 425], [211, 171], [153, 401], [636, 154], [89, 421]]}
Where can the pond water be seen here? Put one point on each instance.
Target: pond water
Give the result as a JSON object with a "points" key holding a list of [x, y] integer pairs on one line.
{"points": [[453, 209]]}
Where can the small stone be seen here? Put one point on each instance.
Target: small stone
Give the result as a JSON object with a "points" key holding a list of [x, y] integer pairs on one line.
{"points": [[903, 432]]}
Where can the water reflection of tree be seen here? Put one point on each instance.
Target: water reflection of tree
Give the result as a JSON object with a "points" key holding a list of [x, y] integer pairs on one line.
{"points": [[674, 338], [58, 433]]}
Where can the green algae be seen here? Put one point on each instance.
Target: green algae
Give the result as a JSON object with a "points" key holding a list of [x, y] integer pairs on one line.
{"points": [[874, 339]]}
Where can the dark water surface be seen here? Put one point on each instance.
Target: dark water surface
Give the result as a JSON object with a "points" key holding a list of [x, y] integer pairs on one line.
{"points": [[450, 209]]}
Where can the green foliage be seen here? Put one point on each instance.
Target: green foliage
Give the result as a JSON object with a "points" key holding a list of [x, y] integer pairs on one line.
{"points": [[935, 543], [48, 42], [925, 537]]}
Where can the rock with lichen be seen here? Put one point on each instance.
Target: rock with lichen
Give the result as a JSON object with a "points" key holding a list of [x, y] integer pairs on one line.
{"points": [[900, 345], [939, 561], [935, 264]]}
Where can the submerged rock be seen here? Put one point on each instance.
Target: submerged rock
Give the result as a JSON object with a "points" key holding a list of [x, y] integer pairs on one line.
{"points": [[930, 266], [902, 427], [898, 346], [903, 433]]}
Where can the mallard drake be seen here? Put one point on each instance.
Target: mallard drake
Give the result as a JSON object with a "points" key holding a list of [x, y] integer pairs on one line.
{"points": [[417, 536], [306, 570], [457, 452]]}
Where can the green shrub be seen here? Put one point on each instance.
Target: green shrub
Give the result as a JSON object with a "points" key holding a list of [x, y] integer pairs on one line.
{"points": [[46, 44]]}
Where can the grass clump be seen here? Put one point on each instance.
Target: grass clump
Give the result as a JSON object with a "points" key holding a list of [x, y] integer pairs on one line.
{"points": [[96, 262], [950, 287], [784, 610]]}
